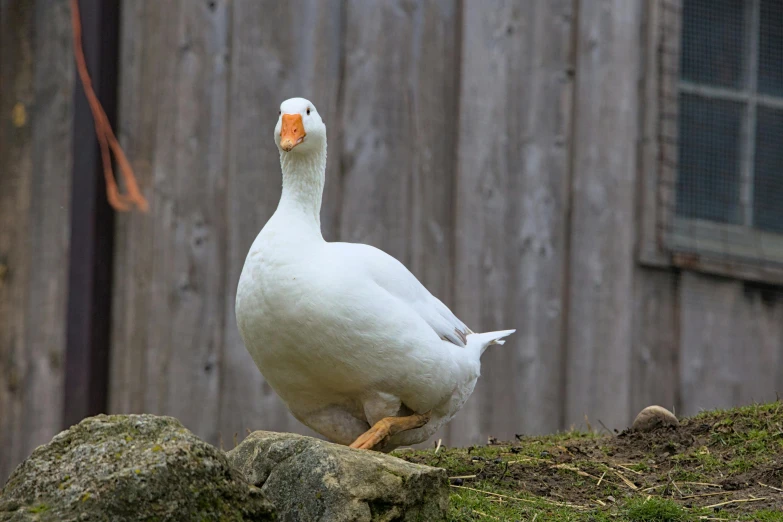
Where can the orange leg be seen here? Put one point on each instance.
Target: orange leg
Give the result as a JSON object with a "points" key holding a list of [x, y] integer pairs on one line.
{"points": [[383, 429]]}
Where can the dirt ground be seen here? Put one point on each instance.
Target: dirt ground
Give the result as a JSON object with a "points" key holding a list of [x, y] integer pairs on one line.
{"points": [[720, 465]]}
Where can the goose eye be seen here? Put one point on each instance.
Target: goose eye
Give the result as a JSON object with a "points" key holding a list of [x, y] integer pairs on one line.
{"points": [[308, 111], [279, 113]]}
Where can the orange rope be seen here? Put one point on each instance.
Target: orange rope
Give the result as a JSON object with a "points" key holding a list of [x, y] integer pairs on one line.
{"points": [[104, 132]]}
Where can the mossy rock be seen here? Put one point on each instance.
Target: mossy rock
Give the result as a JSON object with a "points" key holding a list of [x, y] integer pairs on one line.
{"points": [[310, 479], [129, 467]]}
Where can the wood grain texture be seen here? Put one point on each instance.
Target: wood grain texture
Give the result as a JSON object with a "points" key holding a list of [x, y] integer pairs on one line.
{"points": [[398, 121], [731, 338], [398, 133], [36, 98], [170, 304], [601, 254], [658, 108], [480, 143], [279, 50], [655, 341], [146, 48], [511, 210]]}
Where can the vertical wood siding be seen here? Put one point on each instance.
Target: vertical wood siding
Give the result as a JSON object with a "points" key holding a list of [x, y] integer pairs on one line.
{"points": [[498, 148], [36, 99]]}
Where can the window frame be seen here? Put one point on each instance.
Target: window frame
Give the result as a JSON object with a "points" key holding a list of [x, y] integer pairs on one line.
{"points": [[665, 239]]}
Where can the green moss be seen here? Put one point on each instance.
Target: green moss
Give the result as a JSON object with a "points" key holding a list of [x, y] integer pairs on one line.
{"points": [[95, 456], [39, 508], [674, 475]]}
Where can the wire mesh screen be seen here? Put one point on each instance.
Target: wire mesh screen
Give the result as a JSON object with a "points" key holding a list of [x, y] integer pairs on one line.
{"points": [[721, 130]]}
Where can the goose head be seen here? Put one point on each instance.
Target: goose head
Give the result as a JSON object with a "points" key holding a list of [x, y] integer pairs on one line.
{"points": [[299, 129]]}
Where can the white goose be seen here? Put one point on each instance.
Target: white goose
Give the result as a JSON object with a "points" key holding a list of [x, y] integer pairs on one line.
{"points": [[349, 339]]}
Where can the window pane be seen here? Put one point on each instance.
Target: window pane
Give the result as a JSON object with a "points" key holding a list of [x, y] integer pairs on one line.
{"points": [[771, 48], [713, 40], [768, 186], [708, 177]]}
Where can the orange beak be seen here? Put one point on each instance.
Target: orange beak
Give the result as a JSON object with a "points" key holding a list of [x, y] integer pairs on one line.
{"points": [[292, 131]]}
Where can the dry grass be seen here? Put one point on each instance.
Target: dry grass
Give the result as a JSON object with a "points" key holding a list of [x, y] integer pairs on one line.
{"points": [[719, 465]]}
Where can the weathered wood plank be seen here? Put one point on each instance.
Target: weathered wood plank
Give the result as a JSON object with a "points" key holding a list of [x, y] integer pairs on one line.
{"points": [[398, 126], [598, 377], [511, 209], [731, 338], [658, 106], [16, 99], [145, 46], [279, 50], [656, 340], [177, 254], [90, 264], [36, 98]]}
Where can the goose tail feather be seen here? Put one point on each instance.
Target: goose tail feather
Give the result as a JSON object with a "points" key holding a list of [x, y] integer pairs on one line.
{"points": [[479, 342]]}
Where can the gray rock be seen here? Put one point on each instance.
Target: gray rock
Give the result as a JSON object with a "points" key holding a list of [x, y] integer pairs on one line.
{"points": [[309, 479], [653, 417], [129, 467]]}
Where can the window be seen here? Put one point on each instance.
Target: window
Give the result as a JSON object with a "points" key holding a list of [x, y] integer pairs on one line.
{"points": [[720, 129]]}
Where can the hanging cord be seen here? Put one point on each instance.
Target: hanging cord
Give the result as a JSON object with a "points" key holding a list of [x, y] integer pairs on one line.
{"points": [[108, 142]]}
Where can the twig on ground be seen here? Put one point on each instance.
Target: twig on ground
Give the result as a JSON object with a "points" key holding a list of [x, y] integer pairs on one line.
{"points": [[627, 482], [604, 426], [505, 471], [628, 469], [527, 459], [735, 502], [561, 504], [484, 514], [575, 470], [770, 487], [703, 495]]}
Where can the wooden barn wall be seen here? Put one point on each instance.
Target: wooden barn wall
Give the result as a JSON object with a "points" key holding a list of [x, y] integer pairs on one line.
{"points": [[479, 142], [36, 99]]}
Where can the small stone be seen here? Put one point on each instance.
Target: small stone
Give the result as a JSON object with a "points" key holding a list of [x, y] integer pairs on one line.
{"points": [[457, 481], [310, 479], [653, 417]]}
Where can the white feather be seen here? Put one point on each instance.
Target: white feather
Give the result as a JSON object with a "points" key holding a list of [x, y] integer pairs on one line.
{"points": [[343, 332]]}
